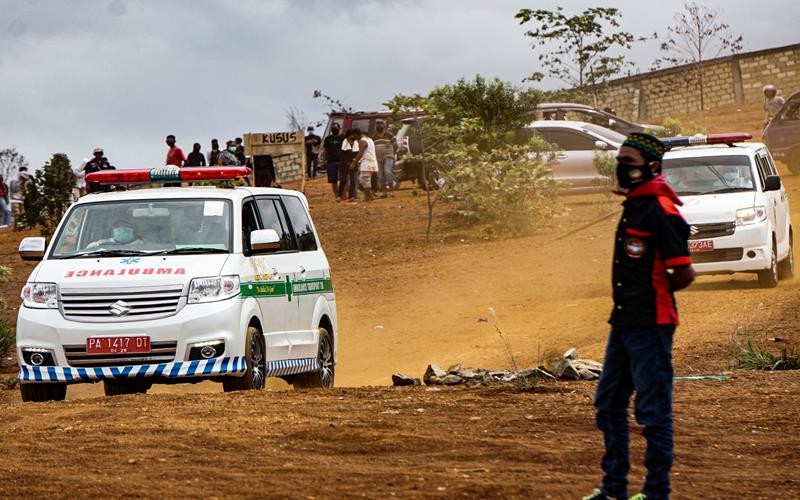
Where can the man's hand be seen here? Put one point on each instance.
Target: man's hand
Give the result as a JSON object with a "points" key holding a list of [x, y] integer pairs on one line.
{"points": [[682, 277]]}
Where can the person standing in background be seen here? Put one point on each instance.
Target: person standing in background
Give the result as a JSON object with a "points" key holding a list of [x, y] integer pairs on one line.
{"points": [[214, 153], [348, 169], [175, 157], [97, 164], [227, 157], [16, 190], [772, 103], [385, 149], [330, 155], [367, 163], [5, 209], [240, 151], [313, 142], [196, 158]]}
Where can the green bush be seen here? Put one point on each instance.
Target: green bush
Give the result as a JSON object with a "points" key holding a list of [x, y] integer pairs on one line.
{"points": [[507, 189], [48, 194], [7, 335], [754, 356], [673, 127]]}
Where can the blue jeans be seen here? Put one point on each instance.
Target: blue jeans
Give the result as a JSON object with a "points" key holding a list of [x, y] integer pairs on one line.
{"points": [[386, 174], [640, 359]]}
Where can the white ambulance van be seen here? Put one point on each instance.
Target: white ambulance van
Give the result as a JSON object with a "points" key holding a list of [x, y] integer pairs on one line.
{"points": [[177, 285]]}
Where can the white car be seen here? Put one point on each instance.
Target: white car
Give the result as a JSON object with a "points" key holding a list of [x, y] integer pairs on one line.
{"points": [[177, 285], [578, 142], [737, 209]]}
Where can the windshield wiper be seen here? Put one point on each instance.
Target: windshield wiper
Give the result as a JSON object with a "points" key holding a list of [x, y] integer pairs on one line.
{"points": [[728, 190], [103, 252], [184, 250]]}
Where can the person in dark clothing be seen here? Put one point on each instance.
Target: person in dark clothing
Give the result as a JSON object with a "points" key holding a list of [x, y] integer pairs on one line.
{"points": [[240, 151], [312, 142], [96, 164], [330, 156], [651, 240], [214, 153], [196, 158], [348, 169]]}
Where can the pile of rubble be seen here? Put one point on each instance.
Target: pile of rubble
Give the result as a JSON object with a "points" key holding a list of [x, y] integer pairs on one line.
{"points": [[568, 367]]}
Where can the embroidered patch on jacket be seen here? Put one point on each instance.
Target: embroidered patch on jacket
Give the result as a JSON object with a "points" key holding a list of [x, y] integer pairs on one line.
{"points": [[635, 247]]}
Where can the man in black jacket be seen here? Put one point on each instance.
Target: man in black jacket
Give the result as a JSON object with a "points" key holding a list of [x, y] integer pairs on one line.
{"points": [[651, 261], [96, 164]]}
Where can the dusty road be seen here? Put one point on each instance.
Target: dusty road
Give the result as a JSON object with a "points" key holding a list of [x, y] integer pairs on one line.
{"points": [[402, 304]]}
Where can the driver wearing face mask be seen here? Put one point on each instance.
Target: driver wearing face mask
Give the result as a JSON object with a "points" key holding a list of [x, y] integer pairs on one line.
{"points": [[123, 233]]}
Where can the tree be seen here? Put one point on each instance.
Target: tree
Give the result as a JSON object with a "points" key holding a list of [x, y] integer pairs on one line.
{"points": [[10, 162], [336, 105], [48, 194], [697, 35], [473, 133], [583, 42]]}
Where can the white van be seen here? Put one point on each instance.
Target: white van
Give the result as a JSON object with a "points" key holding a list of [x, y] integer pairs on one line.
{"points": [[736, 207], [178, 285]]}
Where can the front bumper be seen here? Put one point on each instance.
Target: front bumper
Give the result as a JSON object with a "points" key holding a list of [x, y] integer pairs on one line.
{"points": [[194, 323], [756, 243], [177, 369]]}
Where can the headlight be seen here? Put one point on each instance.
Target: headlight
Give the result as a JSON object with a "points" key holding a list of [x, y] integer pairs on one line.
{"points": [[40, 295], [750, 215], [213, 289]]}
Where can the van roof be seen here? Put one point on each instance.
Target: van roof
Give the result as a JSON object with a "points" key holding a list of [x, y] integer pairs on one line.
{"points": [[235, 194], [735, 149]]}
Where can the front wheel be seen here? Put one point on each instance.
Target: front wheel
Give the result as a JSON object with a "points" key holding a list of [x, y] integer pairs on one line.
{"points": [[768, 278], [322, 377], [254, 377], [43, 392]]}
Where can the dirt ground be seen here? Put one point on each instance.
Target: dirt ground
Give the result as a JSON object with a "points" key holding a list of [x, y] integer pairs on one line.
{"points": [[403, 303]]}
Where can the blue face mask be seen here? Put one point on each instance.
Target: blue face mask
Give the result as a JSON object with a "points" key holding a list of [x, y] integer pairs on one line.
{"points": [[123, 234]]}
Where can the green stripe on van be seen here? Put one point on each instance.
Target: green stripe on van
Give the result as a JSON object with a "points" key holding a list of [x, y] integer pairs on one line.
{"points": [[286, 288]]}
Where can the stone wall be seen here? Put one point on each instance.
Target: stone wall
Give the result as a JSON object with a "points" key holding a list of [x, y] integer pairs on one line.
{"points": [[734, 79]]}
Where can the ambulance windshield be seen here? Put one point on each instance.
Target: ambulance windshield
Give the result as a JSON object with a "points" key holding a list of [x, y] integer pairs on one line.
{"points": [[145, 227]]}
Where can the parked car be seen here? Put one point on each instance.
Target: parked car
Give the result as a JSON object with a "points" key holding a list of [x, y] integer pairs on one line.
{"points": [[588, 114], [782, 135], [577, 143], [737, 209]]}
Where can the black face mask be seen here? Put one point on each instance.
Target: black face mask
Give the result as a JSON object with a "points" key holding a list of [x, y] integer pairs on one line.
{"points": [[629, 176]]}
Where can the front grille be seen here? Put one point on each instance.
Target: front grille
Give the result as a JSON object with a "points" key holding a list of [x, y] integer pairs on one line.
{"points": [[160, 352], [138, 303], [719, 255], [714, 230]]}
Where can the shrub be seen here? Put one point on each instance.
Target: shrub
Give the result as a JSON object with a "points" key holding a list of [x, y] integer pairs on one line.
{"points": [[673, 126], [508, 189], [48, 194], [7, 335], [754, 356]]}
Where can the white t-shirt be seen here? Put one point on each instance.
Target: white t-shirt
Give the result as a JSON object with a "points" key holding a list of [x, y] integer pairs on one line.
{"points": [[369, 161]]}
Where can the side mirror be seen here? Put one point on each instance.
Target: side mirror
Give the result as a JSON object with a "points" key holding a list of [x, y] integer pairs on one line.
{"points": [[602, 146], [265, 240], [32, 248], [772, 183]]}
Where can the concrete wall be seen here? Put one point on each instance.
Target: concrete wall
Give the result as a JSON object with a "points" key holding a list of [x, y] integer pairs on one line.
{"points": [[734, 79]]}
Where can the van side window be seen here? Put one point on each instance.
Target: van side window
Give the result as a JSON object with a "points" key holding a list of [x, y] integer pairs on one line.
{"points": [[272, 218], [249, 224], [762, 172], [301, 224]]}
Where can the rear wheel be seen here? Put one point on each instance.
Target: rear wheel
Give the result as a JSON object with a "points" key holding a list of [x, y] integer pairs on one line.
{"points": [[254, 377], [786, 267], [323, 377], [768, 278], [43, 392], [129, 386]]}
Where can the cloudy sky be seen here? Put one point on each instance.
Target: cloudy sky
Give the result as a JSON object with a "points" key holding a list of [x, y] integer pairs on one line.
{"points": [[122, 73]]}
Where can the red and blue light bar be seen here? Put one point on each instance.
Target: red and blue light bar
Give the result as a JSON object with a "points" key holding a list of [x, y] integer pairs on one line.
{"points": [[700, 139], [168, 174]]}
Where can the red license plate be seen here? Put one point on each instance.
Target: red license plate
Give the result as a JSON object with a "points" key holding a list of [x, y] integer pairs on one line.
{"points": [[699, 246], [118, 345]]}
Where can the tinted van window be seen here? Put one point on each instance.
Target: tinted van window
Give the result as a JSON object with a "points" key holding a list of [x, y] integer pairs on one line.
{"points": [[301, 224], [272, 218]]}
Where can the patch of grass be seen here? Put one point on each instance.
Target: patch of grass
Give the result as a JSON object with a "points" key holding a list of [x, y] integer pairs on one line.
{"points": [[7, 339], [748, 351], [8, 382]]}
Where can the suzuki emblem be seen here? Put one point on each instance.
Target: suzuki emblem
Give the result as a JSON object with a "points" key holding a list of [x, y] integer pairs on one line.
{"points": [[693, 230], [119, 308]]}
